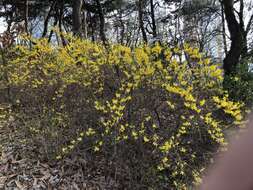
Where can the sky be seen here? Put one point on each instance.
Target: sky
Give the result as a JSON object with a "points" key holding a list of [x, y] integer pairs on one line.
{"points": [[2, 26]]}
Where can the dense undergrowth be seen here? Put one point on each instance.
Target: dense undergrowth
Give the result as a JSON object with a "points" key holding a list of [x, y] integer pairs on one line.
{"points": [[151, 117]]}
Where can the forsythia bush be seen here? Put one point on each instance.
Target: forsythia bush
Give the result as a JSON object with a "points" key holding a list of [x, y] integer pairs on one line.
{"points": [[153, 114]]}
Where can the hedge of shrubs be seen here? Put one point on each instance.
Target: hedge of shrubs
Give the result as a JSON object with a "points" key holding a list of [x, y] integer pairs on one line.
{"points": [[151, 116]]}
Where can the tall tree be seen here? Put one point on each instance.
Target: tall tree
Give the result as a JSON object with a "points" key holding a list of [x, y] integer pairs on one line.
{"points": [[152, 10], [26, 12], [47, 18], [223, 29], [101, 21], [141, 23], [77, 17], [239, 31], [236, 34]]}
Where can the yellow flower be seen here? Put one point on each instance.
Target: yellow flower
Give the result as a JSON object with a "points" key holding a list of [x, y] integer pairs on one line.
{"points": [[165, 160], [202, 102], [145, 139], [122, 128], [134, 134], [90, 132], [96, 149], [166, 146]]}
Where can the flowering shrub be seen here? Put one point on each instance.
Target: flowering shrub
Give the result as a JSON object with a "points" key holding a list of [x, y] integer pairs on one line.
{"points": [[153, 114]]}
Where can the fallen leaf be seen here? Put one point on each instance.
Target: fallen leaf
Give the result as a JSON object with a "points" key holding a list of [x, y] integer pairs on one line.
{"points": [[2, 182]]}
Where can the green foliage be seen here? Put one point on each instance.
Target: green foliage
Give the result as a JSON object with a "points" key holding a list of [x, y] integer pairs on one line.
{"points": [[240, 85], [152, 115]]}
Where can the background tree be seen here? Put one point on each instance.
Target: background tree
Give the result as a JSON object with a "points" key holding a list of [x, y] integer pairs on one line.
{"points": [[209, 25]]}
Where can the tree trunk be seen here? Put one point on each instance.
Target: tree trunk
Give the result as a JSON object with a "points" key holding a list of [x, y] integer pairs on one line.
{"points": [[84, 25], [141, 23], [122, 30], [153, 18], [47, 19], [26, 16], [232, 58], [61, 15], [76, 16], [101, 22], [224, 30], [90, 28]]}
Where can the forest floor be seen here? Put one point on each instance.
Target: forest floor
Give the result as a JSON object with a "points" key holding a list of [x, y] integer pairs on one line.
{"points": [[19, 173]]}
